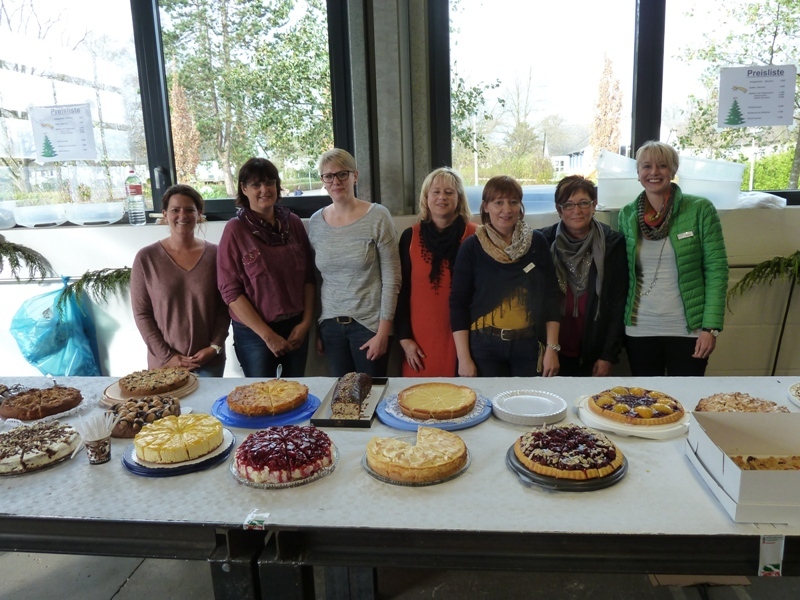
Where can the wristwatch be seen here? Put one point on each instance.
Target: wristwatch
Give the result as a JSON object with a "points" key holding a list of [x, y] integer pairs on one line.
{"points": [[556, 347], [714, 332], [217, 349]]}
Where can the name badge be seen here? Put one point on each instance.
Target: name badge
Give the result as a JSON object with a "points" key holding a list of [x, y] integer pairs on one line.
{"points": [[530, 267], [685, 234]]}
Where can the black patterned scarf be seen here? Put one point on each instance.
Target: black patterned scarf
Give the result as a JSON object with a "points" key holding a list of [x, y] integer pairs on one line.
{"points": [[440, 246]]}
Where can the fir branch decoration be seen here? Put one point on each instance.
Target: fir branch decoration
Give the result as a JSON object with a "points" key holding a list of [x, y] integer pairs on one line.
{"points": [[779, 267], [17, 254], [97, 284]]}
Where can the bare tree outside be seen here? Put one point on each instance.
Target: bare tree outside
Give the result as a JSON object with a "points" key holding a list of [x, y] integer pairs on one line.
{"points": [[608, 112]]}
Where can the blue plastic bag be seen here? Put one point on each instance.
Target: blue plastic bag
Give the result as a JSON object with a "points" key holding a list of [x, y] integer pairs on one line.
{"points": [[62, 343]]}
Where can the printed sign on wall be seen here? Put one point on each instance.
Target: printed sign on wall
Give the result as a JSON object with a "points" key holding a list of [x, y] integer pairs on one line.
{"points": [[756, 96], [63, 132]]}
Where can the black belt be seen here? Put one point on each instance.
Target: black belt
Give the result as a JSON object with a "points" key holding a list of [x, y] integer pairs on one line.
{"points": [[509, 335], [344, 320]]}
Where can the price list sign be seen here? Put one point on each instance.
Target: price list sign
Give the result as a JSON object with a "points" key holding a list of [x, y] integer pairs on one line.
{"points": [[756, 96], [63, 132]]}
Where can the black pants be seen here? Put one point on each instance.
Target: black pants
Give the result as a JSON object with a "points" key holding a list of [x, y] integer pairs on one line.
{"points": [[572, 366], [657, 356]]}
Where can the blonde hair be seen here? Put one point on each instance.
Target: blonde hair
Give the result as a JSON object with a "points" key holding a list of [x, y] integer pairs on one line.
{"points": [[339, 157], [452, 178], [658, 152]]}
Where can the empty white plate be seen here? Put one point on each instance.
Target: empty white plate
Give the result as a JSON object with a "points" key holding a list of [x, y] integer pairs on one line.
{"points": [[529, 407]]}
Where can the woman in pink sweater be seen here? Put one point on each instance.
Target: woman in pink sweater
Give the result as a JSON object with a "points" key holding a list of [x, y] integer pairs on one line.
{"points": [[176, 304]]}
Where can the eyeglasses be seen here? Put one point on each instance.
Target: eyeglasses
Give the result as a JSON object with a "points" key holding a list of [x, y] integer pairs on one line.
{"points": [[270, 183], [341, 176], [570, 206]]}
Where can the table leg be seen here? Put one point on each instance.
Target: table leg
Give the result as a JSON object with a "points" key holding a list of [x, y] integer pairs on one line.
{"points": [[234, 573], [344, 583]]}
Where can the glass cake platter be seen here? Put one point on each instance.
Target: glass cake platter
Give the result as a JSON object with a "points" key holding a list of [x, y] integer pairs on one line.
{"points": [[287, 484], [148, 469], [563, 485], [650, 432], [18, 388], [794, 394], [412, 439], [389, 413], [222, 411]]}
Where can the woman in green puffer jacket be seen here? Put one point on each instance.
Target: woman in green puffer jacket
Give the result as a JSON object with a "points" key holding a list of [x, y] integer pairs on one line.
{"points": [[678, 271]]}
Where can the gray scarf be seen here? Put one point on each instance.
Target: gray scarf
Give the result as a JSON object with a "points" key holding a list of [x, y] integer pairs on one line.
{"points": [[573, 261]]}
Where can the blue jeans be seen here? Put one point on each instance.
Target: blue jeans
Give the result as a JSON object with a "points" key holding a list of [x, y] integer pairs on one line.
{"points": [[257, 360], [342, 342], [498, 358], [213, 368]]}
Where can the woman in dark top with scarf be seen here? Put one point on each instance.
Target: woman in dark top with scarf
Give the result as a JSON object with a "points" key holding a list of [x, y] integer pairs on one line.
{"points": [[504, 302], [593, 274], [265, 274], [427, 254]]}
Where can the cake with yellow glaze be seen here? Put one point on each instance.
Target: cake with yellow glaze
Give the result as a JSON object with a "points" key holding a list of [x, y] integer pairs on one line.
{"points": [[266, 398], [436, 400], [178, 439], [436, 455]]}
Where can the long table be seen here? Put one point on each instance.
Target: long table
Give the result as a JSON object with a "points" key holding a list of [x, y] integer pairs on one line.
{"points": [[660, 518]]}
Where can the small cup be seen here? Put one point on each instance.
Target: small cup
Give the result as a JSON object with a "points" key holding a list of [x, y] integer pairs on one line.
{"points": [[99, 451]]}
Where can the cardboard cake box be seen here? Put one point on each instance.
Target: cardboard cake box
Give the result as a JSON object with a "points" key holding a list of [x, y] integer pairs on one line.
{"points": [[748, 496]]}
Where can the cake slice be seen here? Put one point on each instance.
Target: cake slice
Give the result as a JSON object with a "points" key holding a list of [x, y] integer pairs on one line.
{"points": [[349, 395]]}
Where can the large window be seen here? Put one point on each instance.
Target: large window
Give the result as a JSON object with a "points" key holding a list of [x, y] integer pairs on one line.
{"points": [[247, 79], [538, 88], [745, 33], [70, 109]]}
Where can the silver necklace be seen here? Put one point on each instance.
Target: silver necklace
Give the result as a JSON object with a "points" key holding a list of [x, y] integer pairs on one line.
{"points": [[658, 266]]}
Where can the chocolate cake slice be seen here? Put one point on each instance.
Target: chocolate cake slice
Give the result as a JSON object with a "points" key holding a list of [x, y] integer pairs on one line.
{"points": [[349, 395]]}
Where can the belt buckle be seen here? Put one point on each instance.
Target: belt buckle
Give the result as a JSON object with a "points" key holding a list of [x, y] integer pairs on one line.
{"points": [[503, 335], [344, 320]]}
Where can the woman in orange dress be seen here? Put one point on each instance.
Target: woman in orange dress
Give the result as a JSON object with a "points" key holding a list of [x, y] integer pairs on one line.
{"points": [[427, 253]]}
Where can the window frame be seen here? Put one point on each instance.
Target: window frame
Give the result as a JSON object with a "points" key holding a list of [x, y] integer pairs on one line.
{"points": [[646, 106]]}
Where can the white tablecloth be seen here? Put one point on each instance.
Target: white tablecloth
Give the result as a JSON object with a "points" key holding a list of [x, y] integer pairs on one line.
{"points": [[661, 493]]}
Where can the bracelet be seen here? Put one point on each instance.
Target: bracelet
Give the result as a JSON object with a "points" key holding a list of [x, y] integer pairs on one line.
{"points": [[556, 347], [217, 349]]}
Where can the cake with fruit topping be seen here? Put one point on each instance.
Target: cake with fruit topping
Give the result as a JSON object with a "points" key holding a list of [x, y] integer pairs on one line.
{"points": [[636, 406], [283, 454], [436, 400], [434, 455], [178, 439], [568, 452], [28, 448]]}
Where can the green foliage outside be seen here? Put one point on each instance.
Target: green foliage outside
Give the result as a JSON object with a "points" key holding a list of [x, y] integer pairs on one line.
{"points": [[771, 173], [256, 77], [762, 32]]}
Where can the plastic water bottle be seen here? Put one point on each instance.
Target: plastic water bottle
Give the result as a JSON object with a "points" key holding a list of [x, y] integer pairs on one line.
{"points": [[134, 201]]}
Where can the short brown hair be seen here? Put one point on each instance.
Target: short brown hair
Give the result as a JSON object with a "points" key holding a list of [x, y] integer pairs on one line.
{"points": [[451, 177], [256, 170], [574, 183], [500, 186], [185, 190], [658, 151]]}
